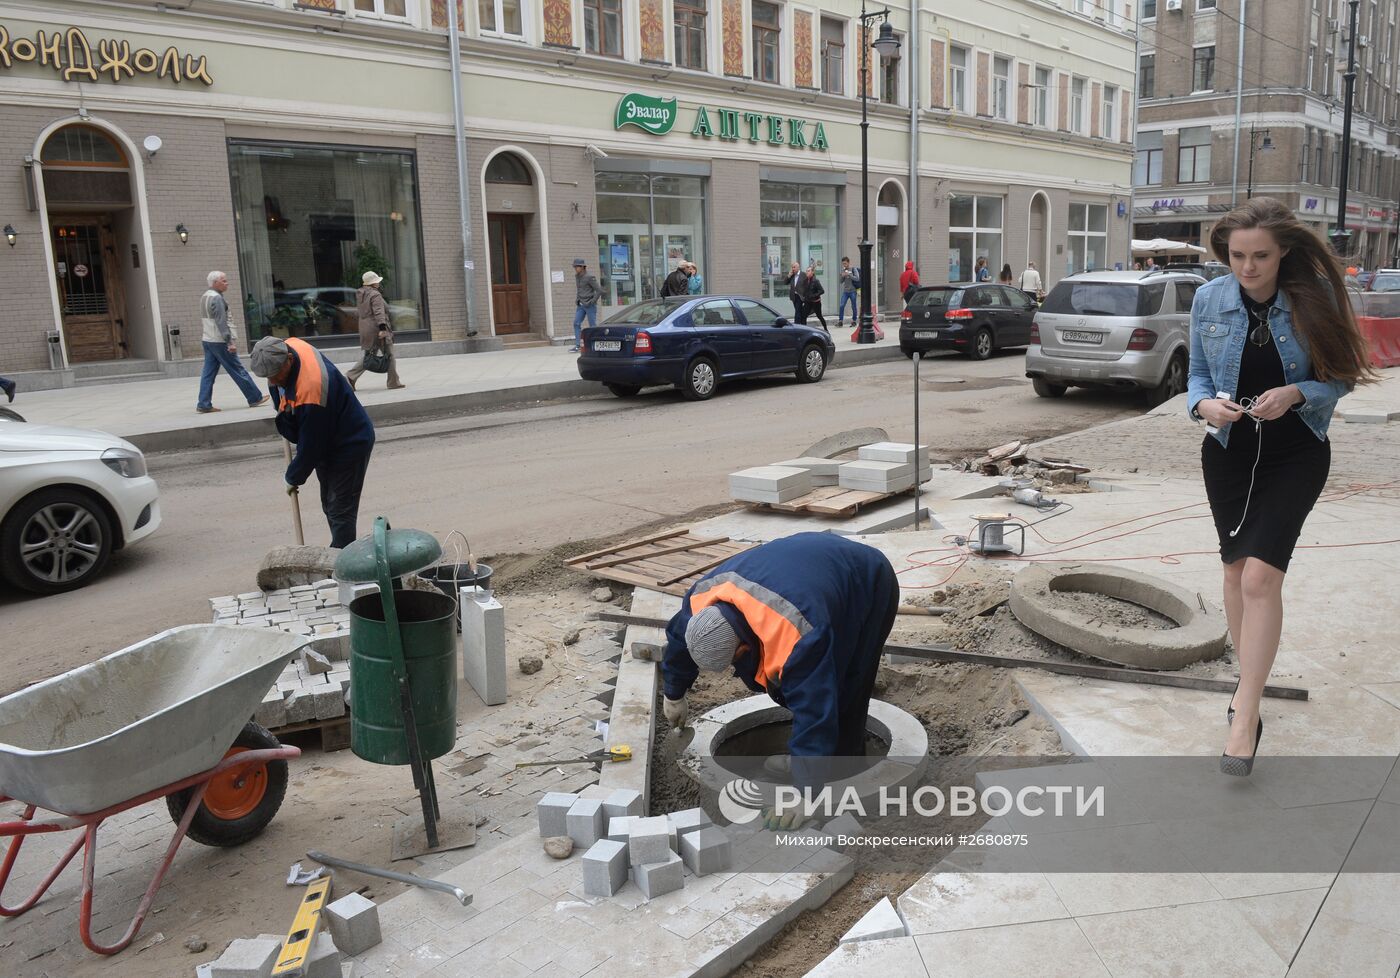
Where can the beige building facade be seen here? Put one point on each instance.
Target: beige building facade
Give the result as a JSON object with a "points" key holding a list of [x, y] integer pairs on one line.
{"points": [[1194, 159], [297, 145]]}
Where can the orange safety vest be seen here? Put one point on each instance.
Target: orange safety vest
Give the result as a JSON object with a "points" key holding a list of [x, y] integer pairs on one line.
{"points": [[311, 387], [775, 622]]}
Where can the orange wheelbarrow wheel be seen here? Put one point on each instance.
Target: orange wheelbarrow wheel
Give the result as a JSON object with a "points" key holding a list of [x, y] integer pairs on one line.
{"points": [[238, 804]]}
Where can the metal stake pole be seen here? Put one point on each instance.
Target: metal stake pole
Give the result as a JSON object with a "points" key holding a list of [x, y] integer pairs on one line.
{"points": [[918, 452]]}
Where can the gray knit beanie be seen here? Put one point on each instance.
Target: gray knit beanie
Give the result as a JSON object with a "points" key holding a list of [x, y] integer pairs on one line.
{"points": [[711, 640]]}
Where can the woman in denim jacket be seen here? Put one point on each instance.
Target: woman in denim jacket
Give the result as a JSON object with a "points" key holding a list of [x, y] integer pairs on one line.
{"points": [[1273, 346]]}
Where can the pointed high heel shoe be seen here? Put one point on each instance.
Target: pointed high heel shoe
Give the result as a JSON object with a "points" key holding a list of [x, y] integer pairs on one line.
{"points": [[1241, 767]]}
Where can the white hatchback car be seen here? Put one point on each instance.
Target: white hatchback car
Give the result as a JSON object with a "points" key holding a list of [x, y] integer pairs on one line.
{"points": [[68, 498]]}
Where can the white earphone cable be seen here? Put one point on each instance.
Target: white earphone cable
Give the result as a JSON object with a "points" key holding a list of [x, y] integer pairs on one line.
{"points": [[1248, 404]]}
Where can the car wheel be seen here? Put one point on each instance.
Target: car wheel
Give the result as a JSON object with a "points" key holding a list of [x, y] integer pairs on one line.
{"points": [[701, 379], [982, 344], [10, 414], [812, 366], [624, 390], [1043, 388], [1173, 382], [55, 540]]}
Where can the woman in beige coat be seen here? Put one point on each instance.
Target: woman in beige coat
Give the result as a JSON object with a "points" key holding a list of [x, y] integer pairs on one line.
{"points": [[374, 328]]}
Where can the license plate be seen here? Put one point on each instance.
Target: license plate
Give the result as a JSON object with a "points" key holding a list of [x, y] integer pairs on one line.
{"points": [[1080, 336], [925, 334], [607, 346]]}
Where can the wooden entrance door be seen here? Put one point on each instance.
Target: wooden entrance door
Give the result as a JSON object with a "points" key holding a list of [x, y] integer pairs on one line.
{"points": [[508, 279], [89, 289]]}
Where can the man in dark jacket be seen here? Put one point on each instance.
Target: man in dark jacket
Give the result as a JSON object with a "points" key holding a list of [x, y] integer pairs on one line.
{"points": [[803, 618], [797, 291], [677, 283], [318, 412], [374, 328]]}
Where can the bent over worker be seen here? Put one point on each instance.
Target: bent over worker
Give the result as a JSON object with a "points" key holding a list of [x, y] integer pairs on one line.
{"points": [[804, 619], [319, 413]]}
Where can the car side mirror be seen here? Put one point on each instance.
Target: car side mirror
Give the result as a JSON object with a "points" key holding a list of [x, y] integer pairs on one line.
{"points": [[781, 321]]}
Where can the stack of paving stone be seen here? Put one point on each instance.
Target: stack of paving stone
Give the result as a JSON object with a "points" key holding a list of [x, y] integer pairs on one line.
{"points": [[824, 471], [769, 484], [619, 841], [885, 467], [312, 687]]}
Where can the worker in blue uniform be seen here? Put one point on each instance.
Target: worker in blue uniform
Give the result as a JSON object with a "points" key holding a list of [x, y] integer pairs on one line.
{"points": [[803, 619]]}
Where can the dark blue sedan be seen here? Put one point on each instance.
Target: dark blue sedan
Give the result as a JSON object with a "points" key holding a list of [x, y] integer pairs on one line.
{"points": [[694, 342]]}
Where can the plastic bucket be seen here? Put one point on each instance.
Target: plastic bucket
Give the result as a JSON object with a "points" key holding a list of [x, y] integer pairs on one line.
{"points": [[448, 578]]}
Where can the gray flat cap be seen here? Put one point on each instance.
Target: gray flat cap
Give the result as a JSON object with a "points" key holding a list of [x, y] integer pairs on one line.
{"points": [[711, 640], [580, 263], [269, 355]]}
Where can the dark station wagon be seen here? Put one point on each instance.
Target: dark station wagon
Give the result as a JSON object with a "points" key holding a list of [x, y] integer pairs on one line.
{"points": [[974, 318], [694, 342]]}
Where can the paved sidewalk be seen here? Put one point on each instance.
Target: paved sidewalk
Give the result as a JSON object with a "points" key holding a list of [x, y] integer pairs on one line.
{"points": [[159, 415]]}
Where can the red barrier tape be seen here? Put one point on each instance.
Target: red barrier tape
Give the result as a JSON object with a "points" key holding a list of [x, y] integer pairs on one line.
{"points": [[1383, 337]]}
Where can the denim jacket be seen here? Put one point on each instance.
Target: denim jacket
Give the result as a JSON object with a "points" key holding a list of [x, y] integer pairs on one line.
{"points": [[1219, 330]]}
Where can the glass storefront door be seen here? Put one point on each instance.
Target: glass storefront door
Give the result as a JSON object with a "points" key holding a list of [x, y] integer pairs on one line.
{"points": [[798, 223]]}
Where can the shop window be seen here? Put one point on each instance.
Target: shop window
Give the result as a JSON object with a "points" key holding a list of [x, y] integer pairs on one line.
{"points": [[309, 221], [646, 225], [797, 223], [1147, 76], [974, 231], [889, 76], [691, 17], [1001, 88], [1147, 161], [508, 168], [1203, 69], [1193, 159], [1044, 86], [833, 56], [1088, 237], [957, 78], [602, 27], [82, 146], [501, 17], [383, 8], [767, 31]]}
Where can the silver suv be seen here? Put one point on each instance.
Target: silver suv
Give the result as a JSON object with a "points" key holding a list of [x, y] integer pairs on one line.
{"points": [[1123, 330]]}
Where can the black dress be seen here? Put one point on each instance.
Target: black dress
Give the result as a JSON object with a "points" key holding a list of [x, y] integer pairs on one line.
{"points": [[1293, 463]]}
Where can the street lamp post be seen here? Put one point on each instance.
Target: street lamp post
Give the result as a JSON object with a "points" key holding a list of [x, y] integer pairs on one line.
{"points": [[886, 44], [1341, 237], [1267, 146]]}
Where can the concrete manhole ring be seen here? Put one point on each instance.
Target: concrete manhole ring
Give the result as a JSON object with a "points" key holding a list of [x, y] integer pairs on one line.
{"points": [[903, 764], [1200, 633]]}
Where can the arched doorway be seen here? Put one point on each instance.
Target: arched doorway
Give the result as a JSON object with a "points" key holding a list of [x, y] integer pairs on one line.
{"points": [[891, 245], [88, 200], [1038, 243], [517, 243]]}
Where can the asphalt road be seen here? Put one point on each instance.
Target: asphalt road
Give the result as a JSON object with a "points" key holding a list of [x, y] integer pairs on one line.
{"points": [[518, 481]]}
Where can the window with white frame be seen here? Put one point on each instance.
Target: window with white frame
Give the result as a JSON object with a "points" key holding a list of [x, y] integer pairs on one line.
{"points": [[1147, 160], [1193, 155], [691, 21], [1085, 7], [500, 17], [974, 231], [602, 27], [1001, 88], [1088, 237], [767, 30], [890, 88], [1203, 69], [382, 8], [957, 78], [1205, 4], [1077, 87], [1040, 97], [1149, 10], [1108, 117], [1310, 81], [833, 56]]}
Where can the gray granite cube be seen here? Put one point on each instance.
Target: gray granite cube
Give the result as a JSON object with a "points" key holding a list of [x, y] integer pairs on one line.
{"points": [[353, 921], [585, 822], [690, 820], [620, 827], [655, 879], [324, 959], [707, 850], [622, 801], [246, 958], [604, 868], [649, 841], [552, 811]]}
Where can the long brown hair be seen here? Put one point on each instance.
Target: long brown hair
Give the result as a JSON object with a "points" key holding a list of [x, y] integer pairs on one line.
{"points": [[1312, 276]]}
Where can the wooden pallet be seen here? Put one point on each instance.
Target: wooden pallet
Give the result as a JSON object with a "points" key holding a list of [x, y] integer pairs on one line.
{"points": [[334, 733], [830, 501], [669, 562]]}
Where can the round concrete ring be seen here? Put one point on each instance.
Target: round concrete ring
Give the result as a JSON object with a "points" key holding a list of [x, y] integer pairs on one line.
{"points": [[1199, 635]]}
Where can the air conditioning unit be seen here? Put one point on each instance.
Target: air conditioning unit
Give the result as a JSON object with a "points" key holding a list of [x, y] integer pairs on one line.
{"points": [[1362, 41], [1333, 24], [1173, 4]]}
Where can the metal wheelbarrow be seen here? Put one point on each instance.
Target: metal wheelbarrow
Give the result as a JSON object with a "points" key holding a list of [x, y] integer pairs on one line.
{"points": [[164, 718]]}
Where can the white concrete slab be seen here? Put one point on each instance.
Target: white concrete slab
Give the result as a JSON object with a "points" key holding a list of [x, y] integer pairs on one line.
{"points": [[1046, 949], [874, 959]]}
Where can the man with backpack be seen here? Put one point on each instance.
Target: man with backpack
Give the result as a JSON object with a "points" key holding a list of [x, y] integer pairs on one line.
{"points": [[850, 288]]}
